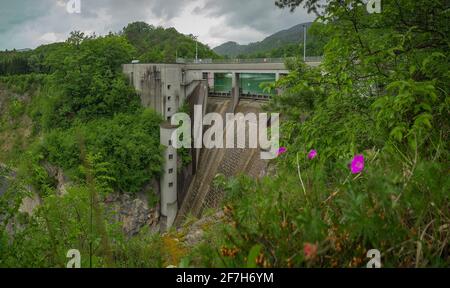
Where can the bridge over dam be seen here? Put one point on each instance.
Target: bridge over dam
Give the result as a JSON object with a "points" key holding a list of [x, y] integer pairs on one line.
{"points": [[168, 87]]}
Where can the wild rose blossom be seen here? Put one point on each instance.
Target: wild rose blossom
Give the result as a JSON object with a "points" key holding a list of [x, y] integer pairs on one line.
{"points": [[310, 250], [312, 154], [357, 164], [281, 151]]}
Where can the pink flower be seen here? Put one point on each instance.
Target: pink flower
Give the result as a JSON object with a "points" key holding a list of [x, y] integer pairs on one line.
{"points": [[281, 151], [310, 250], [357, 164], [312, 154]]}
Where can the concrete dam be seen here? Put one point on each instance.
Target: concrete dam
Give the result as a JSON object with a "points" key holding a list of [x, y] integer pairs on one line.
{"points": [[202, 193], [168, 87]]}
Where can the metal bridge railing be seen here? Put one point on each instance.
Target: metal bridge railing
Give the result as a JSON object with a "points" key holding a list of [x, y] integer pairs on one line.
{"points": [[254, 96], [244, 61]]}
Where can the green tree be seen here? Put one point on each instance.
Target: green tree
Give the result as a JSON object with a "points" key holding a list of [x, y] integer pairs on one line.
{"points": [[156, 44], [88, 80]]}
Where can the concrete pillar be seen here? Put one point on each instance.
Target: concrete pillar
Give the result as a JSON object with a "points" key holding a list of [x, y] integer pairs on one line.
{"points": [[197, 130], [236, 89], [169, 204], [277, 77]]}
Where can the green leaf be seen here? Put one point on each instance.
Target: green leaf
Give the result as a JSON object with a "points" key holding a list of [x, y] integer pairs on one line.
{"points": [[424, 120], [251, 259], [397, 133], [184, 263]]}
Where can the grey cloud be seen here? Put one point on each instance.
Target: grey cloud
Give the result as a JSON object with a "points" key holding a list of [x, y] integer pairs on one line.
{"points": [[29, 23], [14, 13], [24, 22], [242, 36], [122, 12], [261, 15], [164, 9]]}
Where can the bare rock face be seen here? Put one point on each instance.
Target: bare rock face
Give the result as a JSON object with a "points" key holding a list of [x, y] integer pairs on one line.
{"points": [[62, 182], [133, 212], [29, 204], [3, 179]]}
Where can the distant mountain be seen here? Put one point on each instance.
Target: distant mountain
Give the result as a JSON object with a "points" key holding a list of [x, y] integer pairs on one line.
{"points": [[230, 49], [282, 38]]}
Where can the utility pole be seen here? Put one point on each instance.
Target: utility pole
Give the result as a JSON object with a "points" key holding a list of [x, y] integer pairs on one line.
{"points": [[304, 42], [196, 49]]}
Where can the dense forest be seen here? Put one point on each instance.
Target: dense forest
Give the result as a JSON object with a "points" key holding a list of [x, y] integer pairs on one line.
{"points": [[364, 164]]}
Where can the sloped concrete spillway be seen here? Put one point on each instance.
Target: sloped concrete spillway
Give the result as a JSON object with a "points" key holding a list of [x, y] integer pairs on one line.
{"points": [[202, 194]]}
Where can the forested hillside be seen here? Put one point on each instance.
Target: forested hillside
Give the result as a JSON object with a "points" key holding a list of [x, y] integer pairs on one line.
{"points": [[151, 44], [71, 131], [159, 45], [286, 43], [72, 134]]}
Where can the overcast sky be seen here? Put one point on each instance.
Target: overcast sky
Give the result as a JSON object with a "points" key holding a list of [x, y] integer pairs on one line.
{"points": [[30, 23]]}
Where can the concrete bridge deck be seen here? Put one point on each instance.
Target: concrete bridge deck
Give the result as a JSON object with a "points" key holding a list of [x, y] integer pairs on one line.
{"points": [[242, 67]]}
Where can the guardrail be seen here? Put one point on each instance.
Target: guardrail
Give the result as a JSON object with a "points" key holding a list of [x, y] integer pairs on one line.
{"points": [[243, 61], [253, 96]]}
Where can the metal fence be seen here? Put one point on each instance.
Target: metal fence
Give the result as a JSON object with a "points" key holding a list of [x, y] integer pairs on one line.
{"points": [[244, 61]]}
